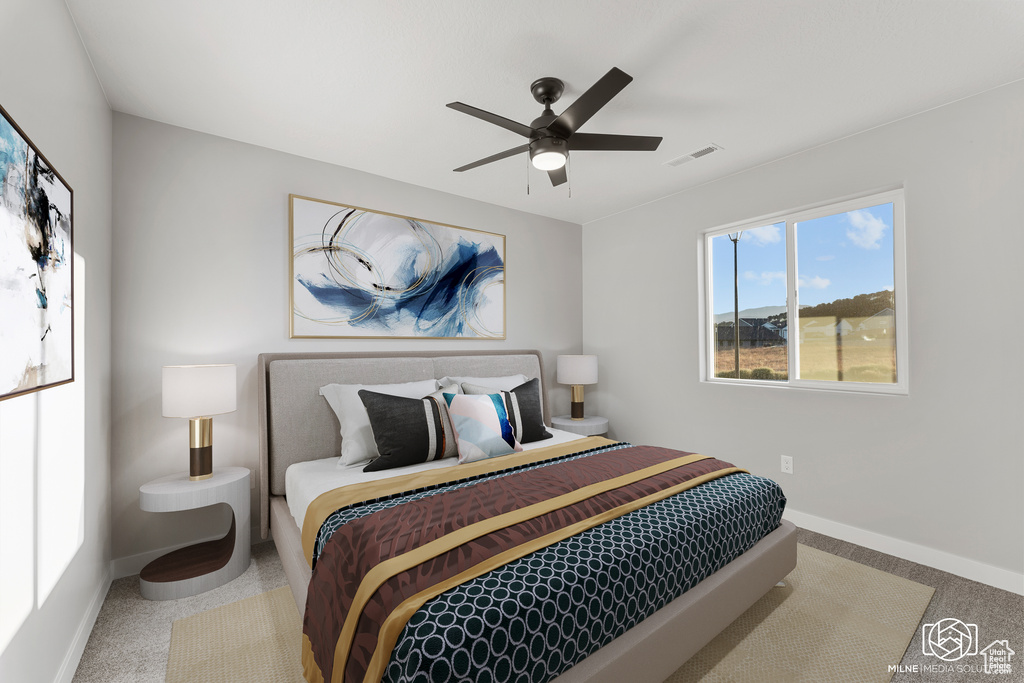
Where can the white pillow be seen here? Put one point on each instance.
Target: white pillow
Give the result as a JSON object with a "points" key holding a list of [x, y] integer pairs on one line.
{"points": [[357, 444], [507, 383]]}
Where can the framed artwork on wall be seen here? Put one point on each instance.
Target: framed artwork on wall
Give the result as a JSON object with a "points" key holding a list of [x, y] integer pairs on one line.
{"points": [[36, 268], [361, 273]]}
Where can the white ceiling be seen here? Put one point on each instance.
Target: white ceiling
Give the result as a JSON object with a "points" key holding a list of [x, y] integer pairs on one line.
{"points": [[363, 83]]}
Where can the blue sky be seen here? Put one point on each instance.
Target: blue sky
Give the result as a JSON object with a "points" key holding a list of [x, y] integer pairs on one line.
{"points": [[838, 257]]}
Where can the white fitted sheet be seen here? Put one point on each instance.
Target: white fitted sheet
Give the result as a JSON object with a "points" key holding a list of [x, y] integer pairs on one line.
{"points": [[304, 481]]}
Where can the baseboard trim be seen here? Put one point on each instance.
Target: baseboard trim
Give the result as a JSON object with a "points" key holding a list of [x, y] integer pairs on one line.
{"points": [[133, 564], [937, 559], [69, 666]]}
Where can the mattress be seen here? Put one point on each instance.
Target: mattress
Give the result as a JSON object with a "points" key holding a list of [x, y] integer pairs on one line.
{"points": [[305, 481], [537, 616]]}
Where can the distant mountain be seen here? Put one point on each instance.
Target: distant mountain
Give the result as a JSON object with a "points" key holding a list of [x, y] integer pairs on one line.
{"points": [[860, 306], [762, 312]]}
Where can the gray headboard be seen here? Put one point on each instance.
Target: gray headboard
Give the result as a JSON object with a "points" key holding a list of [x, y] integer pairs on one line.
{"points": [[296, 424]]}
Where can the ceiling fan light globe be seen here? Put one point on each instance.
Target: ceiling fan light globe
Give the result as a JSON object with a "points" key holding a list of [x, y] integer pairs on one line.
{"points": [[548, 154], [548, 161]]}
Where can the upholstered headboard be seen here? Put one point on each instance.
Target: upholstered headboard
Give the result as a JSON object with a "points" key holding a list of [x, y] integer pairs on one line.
{"points": [[296, 424]]}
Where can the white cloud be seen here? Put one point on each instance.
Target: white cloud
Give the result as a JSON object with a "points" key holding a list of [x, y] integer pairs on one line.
{"points": [[830, 257], [766, 278], [769, 234], [866, 231], [815, 282]]}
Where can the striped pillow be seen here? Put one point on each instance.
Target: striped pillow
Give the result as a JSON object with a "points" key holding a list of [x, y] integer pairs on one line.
{"points": [[408, 431], [481, 426]]}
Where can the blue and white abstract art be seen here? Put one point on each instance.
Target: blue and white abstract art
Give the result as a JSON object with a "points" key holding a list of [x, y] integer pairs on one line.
{"points": [[363, 273], [36, 260]]}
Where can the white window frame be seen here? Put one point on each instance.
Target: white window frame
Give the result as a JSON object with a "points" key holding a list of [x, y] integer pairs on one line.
{"points": [[791, 218]]}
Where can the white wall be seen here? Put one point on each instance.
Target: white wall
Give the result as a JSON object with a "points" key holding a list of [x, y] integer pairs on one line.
{"points": [[201, 252], [938, 472], [48, 86]]}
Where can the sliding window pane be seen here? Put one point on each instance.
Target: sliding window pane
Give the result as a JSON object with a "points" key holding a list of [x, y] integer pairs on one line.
{"points": [[847, 319], [750, 266]]}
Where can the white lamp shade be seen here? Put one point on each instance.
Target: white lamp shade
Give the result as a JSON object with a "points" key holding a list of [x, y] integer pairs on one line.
{"points": [[199, 390], [577, 370]]}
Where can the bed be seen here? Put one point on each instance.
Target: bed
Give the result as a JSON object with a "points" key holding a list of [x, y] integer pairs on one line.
{"points": [[297, 426]]}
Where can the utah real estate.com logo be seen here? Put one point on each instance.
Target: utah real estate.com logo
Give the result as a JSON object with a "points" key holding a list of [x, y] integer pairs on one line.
{"points": [[951, 640]]}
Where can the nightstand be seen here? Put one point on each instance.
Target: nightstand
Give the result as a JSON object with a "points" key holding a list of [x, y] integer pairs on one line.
{"points": [[591, 425], [201, 567]]}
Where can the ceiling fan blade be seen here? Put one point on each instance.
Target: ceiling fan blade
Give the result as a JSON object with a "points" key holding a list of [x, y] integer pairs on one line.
{"points": [[558, 176], [611, 143], [494, 157], [507, 124], [588, 104]]}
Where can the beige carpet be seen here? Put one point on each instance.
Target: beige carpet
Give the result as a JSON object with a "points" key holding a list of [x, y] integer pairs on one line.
{"points": [[835, 620]]}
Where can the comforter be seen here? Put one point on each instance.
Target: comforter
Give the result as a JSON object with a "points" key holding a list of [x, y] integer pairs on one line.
{"points": [[517, 567]]}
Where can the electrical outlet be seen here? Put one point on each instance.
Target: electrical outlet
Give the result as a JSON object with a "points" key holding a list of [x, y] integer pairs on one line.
{"points": [[787, 464]]}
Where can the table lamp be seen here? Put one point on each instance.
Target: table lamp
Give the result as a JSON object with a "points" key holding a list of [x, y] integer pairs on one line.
{"points": [[197, 392], [577, 371]]}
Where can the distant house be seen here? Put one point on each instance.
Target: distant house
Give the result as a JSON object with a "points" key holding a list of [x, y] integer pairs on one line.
{"points": [[754, 332], [821, 328], [881, 324]]}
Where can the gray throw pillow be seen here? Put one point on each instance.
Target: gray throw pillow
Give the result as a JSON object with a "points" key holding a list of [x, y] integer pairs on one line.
{"points": [[408, 431]]}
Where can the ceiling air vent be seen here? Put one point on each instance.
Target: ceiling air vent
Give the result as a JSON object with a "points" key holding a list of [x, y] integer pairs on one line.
{"points": [[702, 152]]}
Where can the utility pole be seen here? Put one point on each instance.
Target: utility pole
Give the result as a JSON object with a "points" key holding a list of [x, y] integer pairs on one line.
{"points": [[736, 299]]}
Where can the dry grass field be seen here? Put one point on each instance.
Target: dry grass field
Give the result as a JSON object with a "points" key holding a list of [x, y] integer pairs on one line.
{"points": [[862, 361]]}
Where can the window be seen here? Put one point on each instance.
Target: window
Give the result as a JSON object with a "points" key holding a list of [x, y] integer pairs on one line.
{"points": [[812, 298]]}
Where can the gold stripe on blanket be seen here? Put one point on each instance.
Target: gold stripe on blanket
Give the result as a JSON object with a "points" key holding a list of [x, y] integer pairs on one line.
{"points": [[389, 568], [393, 625], [310, 671], [326, 503]]}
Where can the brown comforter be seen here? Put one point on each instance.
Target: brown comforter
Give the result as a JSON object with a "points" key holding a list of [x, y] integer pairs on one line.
{"points": [[376, 571]]}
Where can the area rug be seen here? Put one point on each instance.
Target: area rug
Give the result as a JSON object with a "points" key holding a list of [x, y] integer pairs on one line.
{"points": [[834, 620], [253, 640]]}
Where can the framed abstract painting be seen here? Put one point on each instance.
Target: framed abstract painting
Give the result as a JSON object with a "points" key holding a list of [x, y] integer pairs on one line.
{"points": [[36, 263], [361, 273]]}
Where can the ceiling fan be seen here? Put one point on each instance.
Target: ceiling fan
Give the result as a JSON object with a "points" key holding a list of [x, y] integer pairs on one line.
{"points": [[553, 137]]}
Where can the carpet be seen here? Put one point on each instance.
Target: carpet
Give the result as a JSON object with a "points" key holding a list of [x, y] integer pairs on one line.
{"points": [[835, 620]]}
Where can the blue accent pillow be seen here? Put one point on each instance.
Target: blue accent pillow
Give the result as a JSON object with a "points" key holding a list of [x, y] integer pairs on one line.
{"points": [[481, 425]]}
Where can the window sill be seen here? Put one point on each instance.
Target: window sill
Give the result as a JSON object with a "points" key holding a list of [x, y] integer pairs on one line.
{"points": [[811, 385]]}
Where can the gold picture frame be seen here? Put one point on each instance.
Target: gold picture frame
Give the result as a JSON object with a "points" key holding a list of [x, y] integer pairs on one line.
{"points": [[361, 273]]}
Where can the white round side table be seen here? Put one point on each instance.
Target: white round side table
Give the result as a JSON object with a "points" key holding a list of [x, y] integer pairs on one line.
{"points": [[201, 567], [591, 425]]}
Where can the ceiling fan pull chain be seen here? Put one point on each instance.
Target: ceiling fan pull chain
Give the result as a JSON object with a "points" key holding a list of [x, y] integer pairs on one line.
{"points": [[527, 176]]}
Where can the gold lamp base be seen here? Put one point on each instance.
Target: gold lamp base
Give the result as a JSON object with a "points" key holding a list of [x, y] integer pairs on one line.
{"points": [[200, 452]]}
